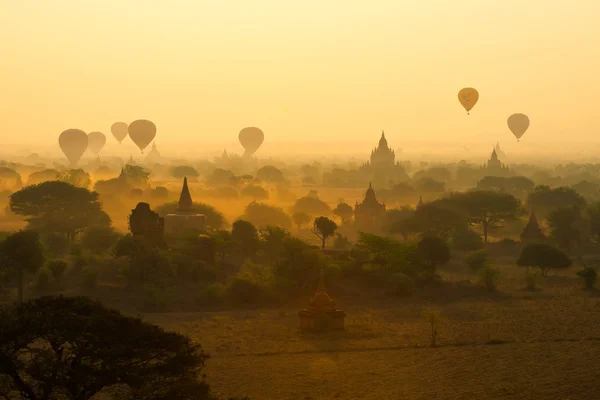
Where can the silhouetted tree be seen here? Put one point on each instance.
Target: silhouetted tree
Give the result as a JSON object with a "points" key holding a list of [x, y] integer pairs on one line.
{"points": [[136, 175], [244, 237], [311, 205], [433, 251], [566, 224], [300, 219], [594, 216], [183, 171], [543, 256], [20, 253], [42, 176], [99, 239], [488, 208], [75, 177], [429, 185], [272, 238], [344, 211], [262, 215], [59, 207], [437, 218], [545, 199], [73, 348], [324, 228], [270, 174], [256, 192], [220, 176]]}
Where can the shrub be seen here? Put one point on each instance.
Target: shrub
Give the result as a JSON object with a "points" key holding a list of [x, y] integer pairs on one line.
{"points": [[400, 284], [489, 277], [476, 260], [434, 251], [589, 276], [432, 318], [531, 277]]}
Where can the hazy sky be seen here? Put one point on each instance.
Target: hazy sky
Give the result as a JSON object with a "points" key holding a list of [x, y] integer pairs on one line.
{"points": [[301, 70]]}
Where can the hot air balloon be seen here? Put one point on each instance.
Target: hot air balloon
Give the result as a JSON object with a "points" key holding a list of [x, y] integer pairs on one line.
{"points": [[468, 98], [251, 138], [119, 131], [518, 124], [96, 141], [73, 143], [142, 133]]}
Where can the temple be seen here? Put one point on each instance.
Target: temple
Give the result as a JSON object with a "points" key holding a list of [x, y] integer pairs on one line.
{"points": [[153, 156], [533, 232], [382, 165], [494, 166], [322, 313], [185, 217], [369, 215]]}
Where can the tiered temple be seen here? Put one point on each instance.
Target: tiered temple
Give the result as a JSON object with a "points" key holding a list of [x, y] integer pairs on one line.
{"points": [[494, 166], [322, 313], [185, 218], [369, 214]]}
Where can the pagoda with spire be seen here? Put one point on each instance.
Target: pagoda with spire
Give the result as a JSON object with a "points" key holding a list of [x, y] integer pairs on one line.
{"points": [[322, 313], [153, 156], [382, 166], [369, 214], [185, 218], [495, 167], [533, 232]]}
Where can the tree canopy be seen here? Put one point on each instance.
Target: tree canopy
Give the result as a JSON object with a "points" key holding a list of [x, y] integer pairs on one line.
{"points": [[262, 215], [324, 228], [543, 256], [74, 348], [59, 207], [545, 199], [214, 218], [487, 208]]}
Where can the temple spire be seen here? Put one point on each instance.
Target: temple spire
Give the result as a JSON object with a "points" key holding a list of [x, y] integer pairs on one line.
{"points": [[185, 199], [321, 287], [420, 201]]}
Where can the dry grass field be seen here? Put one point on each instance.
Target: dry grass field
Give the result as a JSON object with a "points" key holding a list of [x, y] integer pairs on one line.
{"points": [[514, 344]]}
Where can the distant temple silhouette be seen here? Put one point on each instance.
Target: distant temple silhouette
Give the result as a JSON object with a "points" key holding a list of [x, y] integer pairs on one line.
{"points": [[369, 214], [153, 156], [382, 165], [495, 167]]}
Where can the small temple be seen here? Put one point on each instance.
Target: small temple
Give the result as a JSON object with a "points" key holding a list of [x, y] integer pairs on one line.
{"points": [[322, 313], [420, 203], [533, 232], [369, 214], [185, 217], [153, 156]]}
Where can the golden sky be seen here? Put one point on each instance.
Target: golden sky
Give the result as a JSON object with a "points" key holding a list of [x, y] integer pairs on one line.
{"points": [[300, 70]]}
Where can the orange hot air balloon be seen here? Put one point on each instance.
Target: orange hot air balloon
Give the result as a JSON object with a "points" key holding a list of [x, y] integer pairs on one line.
{"points": [[73, 143], [142, 132], [96, 141], [251, 139], [468, 98], [518, 124], [119, 131]]}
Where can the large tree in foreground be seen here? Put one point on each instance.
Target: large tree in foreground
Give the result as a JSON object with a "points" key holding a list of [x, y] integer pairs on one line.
{"points": [[59, 207], [74, 348]]}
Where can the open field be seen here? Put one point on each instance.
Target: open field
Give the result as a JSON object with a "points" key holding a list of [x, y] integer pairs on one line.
{"points": [[514, 344]]}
